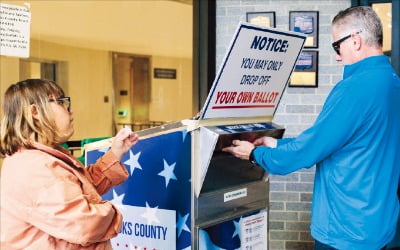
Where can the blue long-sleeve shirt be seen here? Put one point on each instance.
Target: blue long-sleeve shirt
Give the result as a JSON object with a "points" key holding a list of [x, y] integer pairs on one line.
{"points": [[355, 143]]}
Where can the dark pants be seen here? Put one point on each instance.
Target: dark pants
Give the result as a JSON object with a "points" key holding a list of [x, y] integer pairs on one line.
{"points": [[321, 246]]}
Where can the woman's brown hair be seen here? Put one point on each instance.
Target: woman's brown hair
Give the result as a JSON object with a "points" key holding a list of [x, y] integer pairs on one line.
{"points": [[18, 128]]}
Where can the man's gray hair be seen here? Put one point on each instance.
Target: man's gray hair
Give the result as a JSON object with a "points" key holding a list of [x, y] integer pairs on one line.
{"points": [[361, 18]]}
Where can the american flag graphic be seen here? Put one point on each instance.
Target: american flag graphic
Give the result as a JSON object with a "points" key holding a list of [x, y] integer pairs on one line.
{"points": [[155, 200]]}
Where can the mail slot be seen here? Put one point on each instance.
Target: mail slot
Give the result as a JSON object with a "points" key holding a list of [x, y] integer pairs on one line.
{"points": [[227, 171]]}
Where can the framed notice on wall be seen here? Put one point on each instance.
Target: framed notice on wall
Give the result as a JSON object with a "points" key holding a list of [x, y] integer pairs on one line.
{"points": [[164, 73], [264, 19], [305, 22], [305, 73]]}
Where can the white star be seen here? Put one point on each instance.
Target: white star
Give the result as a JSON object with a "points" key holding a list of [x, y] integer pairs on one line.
{"points": [[181, 224], [133, 162], [117, 200], [237, 228], [184, 133], [168, 173], [150, 214]]}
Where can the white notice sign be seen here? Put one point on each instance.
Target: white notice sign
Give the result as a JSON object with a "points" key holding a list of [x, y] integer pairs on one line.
{"points": [[14, 30], [254, 73], [254, 233]]}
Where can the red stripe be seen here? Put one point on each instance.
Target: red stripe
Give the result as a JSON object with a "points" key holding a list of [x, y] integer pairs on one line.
{"points": [[243, 107]]}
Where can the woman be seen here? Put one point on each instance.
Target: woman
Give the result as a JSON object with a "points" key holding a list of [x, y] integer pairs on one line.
{"points": [[48, 199]]}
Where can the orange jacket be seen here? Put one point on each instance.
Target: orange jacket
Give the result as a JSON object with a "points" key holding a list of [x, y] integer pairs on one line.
{"points": [[49, 200]]}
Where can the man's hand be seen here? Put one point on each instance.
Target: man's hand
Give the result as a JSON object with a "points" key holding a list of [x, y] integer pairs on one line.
{"points": [[266, 141], [240, 149]]}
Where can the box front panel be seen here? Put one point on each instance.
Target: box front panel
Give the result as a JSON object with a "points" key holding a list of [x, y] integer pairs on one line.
{"points": [[155, 199]]}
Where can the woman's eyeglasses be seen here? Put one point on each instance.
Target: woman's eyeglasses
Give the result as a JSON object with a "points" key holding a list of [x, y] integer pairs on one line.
{"points": [[64, 101], [336, 44]]}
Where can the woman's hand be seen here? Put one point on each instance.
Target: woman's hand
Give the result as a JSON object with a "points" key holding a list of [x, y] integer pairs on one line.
{"points": [[123, 141]]}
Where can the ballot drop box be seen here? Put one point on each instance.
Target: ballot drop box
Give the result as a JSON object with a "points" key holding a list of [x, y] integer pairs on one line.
{"points": [[183, 191]]}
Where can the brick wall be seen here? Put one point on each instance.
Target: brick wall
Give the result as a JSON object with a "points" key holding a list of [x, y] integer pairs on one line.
{"points": [[290, 195]]}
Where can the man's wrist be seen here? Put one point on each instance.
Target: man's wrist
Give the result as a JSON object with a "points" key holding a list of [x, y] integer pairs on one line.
{"points": [[251, 156]]}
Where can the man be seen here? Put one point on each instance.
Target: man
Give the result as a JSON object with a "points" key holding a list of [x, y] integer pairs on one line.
{"points": [[355, 143]]}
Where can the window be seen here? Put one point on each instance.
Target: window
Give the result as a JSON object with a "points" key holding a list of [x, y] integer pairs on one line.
{"points": [[75, 43]]}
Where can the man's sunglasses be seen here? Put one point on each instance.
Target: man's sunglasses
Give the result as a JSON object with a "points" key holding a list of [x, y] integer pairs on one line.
{"points": [[336, 44]]}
